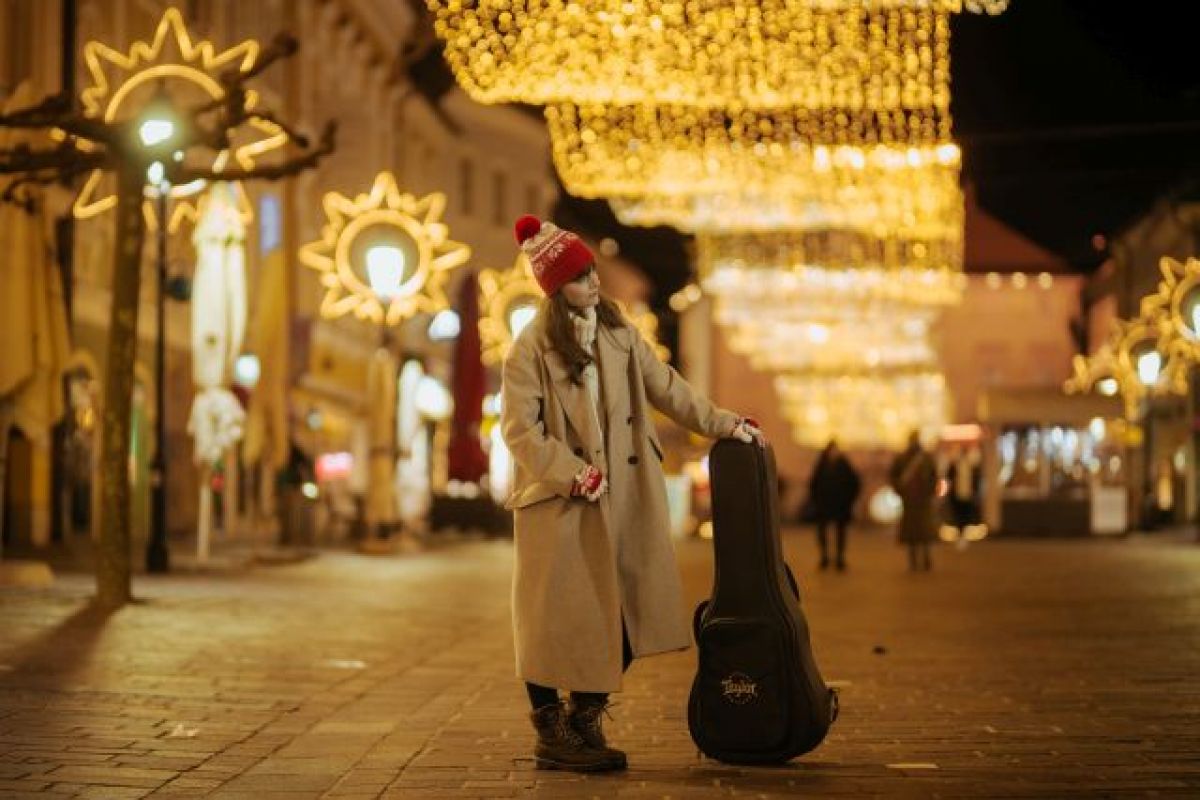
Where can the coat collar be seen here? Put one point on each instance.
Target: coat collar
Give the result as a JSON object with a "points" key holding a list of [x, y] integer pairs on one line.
{"points": [[573, 397], [612, 346], [612, 350]]}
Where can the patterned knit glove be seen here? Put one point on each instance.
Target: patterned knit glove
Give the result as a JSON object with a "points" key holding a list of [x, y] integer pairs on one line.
{"points": [[747, 430], [589, 484]]}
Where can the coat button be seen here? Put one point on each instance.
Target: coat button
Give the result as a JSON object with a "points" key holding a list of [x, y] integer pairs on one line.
{"points": [[633, 459], [629, 420], [579, 452]]}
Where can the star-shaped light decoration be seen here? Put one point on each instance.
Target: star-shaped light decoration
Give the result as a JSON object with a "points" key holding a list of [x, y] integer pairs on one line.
{"points": [[1137, 360], [1145, 361], [509, 301], [385, 238], [1178, 301], [190, 71]]}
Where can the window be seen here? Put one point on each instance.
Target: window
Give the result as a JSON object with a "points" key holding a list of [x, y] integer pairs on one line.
{"points": [[533, 199], [499, 192], [466, 176]]}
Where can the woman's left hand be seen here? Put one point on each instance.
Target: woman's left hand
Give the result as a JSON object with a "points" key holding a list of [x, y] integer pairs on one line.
{"points": [[747, 430]]}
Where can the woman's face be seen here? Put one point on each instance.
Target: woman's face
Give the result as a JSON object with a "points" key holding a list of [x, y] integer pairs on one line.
{"points": [[584, 291]]}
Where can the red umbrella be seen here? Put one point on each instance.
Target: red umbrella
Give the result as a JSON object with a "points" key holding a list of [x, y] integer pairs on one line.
{"points": [[467, 461]]}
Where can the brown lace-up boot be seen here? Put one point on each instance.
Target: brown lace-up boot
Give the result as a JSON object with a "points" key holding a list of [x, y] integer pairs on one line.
{"points": [[560, 747], [586, 718]]}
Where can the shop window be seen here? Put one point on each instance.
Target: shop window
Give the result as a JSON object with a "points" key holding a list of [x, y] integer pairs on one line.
{"points": [[499, 193]]}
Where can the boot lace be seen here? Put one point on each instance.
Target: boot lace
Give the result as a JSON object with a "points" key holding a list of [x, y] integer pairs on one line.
{"points": [[590, 717], [568, 733]]}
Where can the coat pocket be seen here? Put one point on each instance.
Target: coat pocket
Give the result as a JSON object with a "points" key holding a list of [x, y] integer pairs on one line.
{"points": [[531, 494], [656, 447]]}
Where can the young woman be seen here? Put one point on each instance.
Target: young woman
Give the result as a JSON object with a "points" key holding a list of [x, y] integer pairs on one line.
{"points": [[595, 583]]}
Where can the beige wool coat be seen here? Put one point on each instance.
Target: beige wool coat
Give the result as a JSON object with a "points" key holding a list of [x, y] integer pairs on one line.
{"points": [[580, 566]]}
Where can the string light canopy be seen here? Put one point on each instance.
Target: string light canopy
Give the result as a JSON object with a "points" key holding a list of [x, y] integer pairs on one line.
{"points": [[836, 346], [721, 53], [604, 149], [704, 169], [867, 218], [804, 272], [868, 411], [172, 65], [384, 255], [992, 7]]}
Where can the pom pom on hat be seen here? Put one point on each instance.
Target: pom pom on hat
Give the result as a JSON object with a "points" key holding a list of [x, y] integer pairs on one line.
{"points": [[556, 255], [527, 227]]}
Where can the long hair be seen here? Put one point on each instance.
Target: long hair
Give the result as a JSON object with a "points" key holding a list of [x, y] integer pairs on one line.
{"points": [[560, 331]]}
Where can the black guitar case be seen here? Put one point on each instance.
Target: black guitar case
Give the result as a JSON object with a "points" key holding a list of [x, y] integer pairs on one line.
{"points": [[758, 697]]}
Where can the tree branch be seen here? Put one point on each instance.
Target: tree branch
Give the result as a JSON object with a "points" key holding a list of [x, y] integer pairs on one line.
{"points": [[273, 172], [56, 111], [36, 115], [18, 191], [23, 158], [283, 45]]}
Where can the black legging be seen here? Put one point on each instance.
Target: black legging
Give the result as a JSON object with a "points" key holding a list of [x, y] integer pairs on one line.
{"points": [[542, 696], [840, 526]]}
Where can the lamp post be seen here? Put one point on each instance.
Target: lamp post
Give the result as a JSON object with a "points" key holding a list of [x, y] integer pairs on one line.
{"points": [[158, 558], [157, 131], [1149, 363], [384, 267]]}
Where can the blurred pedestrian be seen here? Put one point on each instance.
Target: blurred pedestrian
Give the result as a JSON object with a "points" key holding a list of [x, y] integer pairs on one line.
{"points": [[833, 490], [914, 477], [595, 582], [962, 496]]}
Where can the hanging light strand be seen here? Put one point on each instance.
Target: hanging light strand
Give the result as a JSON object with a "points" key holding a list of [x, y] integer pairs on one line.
{"points": [[832, 268], [863, 411], [727, 53]]}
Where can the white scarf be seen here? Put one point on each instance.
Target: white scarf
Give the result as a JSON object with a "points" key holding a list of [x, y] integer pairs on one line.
{"points": [[585, 334]]}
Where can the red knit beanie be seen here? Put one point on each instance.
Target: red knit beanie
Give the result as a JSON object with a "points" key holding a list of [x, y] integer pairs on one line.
{"points": [[557, 255]]}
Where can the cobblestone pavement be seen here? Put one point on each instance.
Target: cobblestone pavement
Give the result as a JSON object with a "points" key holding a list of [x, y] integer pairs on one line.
{"points": [[1048, 669]]}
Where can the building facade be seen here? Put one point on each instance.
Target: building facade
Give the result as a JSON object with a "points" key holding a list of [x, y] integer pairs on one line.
{"points": [[354, 66]]}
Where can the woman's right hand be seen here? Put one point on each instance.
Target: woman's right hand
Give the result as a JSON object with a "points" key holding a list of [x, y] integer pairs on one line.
{"points": [[589, 484]]}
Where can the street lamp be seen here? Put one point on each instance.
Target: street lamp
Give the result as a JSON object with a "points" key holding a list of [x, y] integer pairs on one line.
{"points": [[384, 264], [385, 270], [445, 326], [1149, 367], [157, 130], [384, 257]]}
